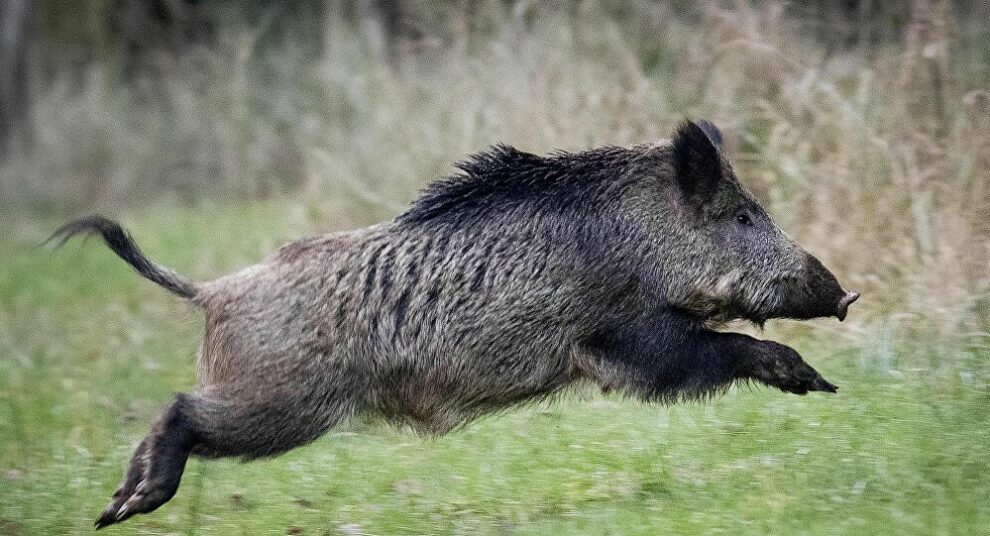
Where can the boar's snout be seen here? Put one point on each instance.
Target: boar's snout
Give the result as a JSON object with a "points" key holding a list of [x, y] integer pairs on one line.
{"points": [[815, 293], [844, 302]]}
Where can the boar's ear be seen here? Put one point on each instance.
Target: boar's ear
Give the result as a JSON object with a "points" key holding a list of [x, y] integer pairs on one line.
{"points": [[697, 159]]}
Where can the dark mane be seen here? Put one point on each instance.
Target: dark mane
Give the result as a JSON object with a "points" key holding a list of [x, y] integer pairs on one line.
{"points": [[503, 178]]}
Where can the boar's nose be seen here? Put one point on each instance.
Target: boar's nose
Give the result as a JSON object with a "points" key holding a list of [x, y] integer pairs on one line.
{"points": [[844, 303]]}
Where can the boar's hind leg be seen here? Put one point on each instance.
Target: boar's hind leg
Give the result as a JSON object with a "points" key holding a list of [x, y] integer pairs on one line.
{"points": [[156, 467], [194, 424], [131, 479], [204, 426]]}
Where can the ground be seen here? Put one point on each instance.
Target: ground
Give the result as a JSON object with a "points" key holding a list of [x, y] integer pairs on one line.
{"points": [[89, 352]]}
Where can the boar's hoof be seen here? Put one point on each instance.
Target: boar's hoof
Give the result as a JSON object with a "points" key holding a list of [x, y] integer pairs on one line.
{"points": [[782, 367], [145, 498], [823, 385], [801, 384]]}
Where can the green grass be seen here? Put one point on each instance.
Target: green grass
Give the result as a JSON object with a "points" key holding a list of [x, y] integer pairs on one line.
{"points": [[89, 352]]}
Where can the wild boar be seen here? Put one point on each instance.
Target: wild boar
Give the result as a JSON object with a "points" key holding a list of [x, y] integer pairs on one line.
{"points": [[507, 282]]}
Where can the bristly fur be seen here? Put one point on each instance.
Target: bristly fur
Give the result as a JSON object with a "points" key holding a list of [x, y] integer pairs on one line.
{"points": [[505, 178], [504, 284]]}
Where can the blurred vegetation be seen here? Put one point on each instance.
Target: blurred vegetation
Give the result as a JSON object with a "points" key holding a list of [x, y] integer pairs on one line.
{"points": [[863, 125], [219, 130], [89, 353]]}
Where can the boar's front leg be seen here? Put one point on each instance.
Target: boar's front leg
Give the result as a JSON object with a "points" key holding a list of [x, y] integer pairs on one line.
{"points": [[671, 357], [778, 366]]}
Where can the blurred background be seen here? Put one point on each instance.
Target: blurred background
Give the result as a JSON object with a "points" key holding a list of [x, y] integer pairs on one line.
{"points": [[217, 130]]}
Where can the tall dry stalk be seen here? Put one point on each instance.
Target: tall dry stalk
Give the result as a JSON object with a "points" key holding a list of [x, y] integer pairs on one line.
{"points": [[878, 161]]}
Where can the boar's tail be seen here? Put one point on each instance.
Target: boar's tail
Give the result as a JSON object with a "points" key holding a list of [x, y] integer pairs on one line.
{"points": [[123, 245]]}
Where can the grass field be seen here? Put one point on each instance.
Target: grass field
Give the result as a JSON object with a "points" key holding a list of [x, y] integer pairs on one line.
{"points": [[89, 352], [874, 156]]}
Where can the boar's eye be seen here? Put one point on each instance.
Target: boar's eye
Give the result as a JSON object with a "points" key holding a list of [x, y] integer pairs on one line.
{"points": [[744, 219]]}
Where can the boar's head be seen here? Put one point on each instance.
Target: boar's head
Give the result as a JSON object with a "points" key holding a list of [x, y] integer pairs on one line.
{"points": [[715, 251]]}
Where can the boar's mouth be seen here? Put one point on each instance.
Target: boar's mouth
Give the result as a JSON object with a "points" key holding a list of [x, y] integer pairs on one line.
{"points": [[815, 293], [804, 298]]}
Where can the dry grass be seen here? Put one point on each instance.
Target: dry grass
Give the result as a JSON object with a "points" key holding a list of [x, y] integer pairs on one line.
{"points": [[875, 159]]}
